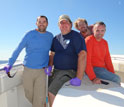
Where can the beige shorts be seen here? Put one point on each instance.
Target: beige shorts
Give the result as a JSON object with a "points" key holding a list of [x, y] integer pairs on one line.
{"points": [[34, 82]]}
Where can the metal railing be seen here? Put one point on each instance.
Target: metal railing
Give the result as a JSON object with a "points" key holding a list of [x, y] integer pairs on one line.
{"points": [[1, 69], [117, 58]]}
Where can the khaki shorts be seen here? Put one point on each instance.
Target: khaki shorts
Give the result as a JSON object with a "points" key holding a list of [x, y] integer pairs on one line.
{"points": [[34, 83], [58, 78]]}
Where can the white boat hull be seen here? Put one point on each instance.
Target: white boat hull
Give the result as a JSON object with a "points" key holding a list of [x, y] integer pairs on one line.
{"points": [[90, 95]]}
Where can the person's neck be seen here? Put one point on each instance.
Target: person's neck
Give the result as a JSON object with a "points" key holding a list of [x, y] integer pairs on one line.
{"points": [[65, 33], [98, 39], [84, 32], [40, 31]]}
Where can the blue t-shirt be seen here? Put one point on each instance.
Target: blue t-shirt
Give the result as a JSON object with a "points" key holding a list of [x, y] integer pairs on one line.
{"points": [[66, 48], [37, 46]]}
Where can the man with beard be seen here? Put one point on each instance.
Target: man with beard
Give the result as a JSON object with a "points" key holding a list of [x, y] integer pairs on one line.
{"points": [[37, 44], [82, 26], [68, 55], [99, 64]]}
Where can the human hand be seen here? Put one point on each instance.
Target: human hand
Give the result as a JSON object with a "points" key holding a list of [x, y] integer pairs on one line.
{"points": [[48, 70], [96, 81], [75, 81], [7, 68]]}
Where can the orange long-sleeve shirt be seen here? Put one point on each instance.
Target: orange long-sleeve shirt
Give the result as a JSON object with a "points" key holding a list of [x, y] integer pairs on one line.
{"points": [[97, 56]]}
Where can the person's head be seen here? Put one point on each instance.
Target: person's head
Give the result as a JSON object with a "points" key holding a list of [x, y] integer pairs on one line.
{"points": [[42, 23], [81, 25], [65, 24], [99, 29]]}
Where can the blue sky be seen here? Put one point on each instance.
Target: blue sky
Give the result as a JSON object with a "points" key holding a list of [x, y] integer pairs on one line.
{"points": [[19, 16]]}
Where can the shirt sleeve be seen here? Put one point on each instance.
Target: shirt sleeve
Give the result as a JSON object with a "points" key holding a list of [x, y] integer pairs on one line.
{"points": [[108, 60], [89, 68], [52, 46], [17, 51]]}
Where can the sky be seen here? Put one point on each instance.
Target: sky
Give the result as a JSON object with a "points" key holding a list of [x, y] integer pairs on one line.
{"points": [[19, 16]]}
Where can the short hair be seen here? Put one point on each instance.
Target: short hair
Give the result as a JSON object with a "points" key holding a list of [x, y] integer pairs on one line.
{"points": [[100, 23], [42, 16], [80, 19]]}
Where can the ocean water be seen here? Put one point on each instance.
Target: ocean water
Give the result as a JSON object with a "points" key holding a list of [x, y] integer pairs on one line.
{"points": [[3, 61]]}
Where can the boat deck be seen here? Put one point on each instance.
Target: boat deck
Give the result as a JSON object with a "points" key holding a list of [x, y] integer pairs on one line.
{"points": [[88, 94]]}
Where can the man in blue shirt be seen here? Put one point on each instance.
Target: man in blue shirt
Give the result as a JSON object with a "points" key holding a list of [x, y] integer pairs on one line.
{"points": [[37, 44], [68, 55]]}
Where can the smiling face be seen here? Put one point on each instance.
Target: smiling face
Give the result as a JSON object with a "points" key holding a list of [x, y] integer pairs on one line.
{"points": [[65, 27], [42, 24], [99, 31], [82, 26]]}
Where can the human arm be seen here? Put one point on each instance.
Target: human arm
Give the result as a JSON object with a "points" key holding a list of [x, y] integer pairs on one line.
{"points": [[80, 48], [80, 69], [89, 68], [108, 61], [7, 68], [15, 54], [96, 81], [51, 57], [17, 51], [48, 69], [81, 64]]}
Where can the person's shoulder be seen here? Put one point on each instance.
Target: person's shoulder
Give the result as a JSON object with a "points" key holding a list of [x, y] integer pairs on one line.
{"points": [[105, 41], [76, 34], [49, 33], [56, 36], [30, 32], [90, 27], [89, 38], [76, 37]]}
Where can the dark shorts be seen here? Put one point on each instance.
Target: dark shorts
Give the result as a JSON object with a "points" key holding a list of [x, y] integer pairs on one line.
{"points": [[58, 78]]}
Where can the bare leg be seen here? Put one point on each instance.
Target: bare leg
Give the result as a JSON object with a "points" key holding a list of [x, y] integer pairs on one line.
{"points": [[45, 105], [51, 99]]}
